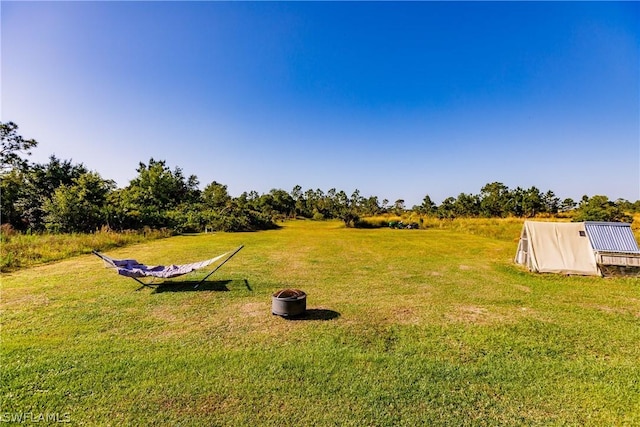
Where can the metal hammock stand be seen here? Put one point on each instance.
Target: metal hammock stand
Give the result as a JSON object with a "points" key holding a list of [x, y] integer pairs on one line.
{"points": [[135, 270]]}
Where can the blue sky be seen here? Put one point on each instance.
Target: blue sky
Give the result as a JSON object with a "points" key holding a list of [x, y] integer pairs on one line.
{"points": [[397, 100]]}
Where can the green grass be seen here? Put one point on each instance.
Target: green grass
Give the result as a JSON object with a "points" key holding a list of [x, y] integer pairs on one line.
{"points": [[26, 250], [405, 327]]}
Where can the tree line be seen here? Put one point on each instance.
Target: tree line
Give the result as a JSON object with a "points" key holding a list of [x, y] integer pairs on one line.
{"points": [[60, 196]]}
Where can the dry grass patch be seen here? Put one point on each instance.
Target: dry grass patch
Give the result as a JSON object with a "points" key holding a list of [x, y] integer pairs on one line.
{"points": [[473, 315], [525, 289], [613, 310]]}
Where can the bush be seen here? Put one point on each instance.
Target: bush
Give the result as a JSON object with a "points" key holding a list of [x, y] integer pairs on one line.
{"points": [[600, 208], [371, 223], [25, 250], [238, 219]]}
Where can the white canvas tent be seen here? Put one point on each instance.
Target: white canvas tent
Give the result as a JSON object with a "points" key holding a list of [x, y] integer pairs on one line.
{"points": [[557, 247]]}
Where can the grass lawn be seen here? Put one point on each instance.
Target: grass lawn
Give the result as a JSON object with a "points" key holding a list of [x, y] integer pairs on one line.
{"points": [[404, 328]]}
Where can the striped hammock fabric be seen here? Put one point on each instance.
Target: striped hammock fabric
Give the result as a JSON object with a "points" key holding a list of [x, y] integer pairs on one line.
{"points": [[134, 269]]}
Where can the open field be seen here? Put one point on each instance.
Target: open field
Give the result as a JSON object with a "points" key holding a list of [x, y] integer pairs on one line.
{"points": [[405, 327]]}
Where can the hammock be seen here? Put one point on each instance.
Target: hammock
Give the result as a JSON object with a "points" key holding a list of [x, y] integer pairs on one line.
{"points": [[136, 270]]}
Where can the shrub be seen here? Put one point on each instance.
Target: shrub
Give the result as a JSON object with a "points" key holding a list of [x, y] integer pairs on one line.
{"points": [[25, 250]]}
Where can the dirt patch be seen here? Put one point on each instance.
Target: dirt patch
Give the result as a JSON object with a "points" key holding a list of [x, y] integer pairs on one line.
{"points": [[465, 267], [254, 309], [207, 404], [29, 300], [469, 314], [174, 321], [612, 310], [481, 316], [252, 317], [166, 314], [523, 288], [406, 315]]}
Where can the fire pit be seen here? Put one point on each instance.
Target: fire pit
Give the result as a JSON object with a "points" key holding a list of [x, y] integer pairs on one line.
{"points": [[289, 302]]}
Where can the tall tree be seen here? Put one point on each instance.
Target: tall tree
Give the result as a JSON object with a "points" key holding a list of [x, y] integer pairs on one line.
{"points": [[277, 203], [13, 147], [428, 207], [311, 200], [11, 188], [157, 190], [216, 196], [515, 205], [446, 210], [346, 208], [551, 202], [398, 207], [79, 207], [567, 205], [39, 183], [493, 199], [532, 203], [466, 205], [371, 206], [159, 187], [299, 201]]}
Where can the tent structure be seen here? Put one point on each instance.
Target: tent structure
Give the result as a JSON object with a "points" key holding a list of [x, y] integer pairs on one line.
{"points": [[136, 270], [581, 248]]}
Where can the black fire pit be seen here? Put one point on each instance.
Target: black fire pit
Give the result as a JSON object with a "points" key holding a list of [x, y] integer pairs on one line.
{"points": [[289, 303]]}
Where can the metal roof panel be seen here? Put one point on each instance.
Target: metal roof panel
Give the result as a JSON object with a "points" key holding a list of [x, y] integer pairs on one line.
{"points": [[611, 236]]}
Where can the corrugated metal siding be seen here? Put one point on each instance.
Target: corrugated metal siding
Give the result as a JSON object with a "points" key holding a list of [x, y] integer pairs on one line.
{"points": [[611, 236]]}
